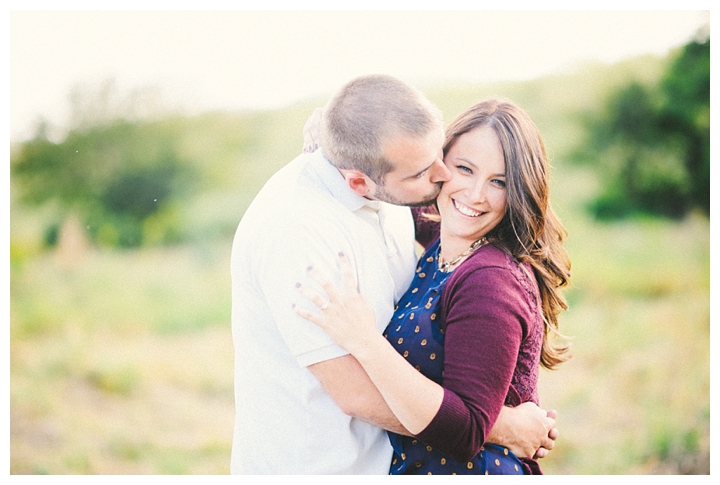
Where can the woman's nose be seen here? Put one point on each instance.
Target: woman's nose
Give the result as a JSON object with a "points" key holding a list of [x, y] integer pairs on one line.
{"points": [[478, 192]]}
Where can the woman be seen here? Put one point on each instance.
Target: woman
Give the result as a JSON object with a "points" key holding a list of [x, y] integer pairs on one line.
{"points": [[481, 312]]}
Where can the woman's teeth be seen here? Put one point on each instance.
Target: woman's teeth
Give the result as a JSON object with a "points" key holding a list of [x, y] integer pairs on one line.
{"points": [[463, 209]]}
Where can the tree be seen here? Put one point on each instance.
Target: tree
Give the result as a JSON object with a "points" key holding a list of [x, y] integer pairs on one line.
{"points": [[685, 116], [123, 178], [652, 143]]}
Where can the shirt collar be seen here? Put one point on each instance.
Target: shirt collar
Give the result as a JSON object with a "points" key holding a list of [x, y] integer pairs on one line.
{"points": [[329, 176]]}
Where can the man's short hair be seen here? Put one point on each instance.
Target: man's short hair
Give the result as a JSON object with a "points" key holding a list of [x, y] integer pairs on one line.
{"points": [[367, 112]]}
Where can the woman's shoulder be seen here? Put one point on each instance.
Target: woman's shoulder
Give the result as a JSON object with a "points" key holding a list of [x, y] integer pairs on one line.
{"points": [[493, 264], [491, 276], [487, 256]]}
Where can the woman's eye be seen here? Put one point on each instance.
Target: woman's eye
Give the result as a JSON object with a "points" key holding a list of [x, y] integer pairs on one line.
{"points": [[465, 169], [499, 183]]}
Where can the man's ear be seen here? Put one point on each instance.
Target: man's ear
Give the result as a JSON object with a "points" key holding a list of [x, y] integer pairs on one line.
{"points": [[358, 182]]}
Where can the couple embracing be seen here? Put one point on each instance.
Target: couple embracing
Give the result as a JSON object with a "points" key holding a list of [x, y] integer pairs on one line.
{"points": [[353, 355]]}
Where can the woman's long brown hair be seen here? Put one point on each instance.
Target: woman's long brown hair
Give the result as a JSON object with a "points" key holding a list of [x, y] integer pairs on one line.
{"points": [[530, 231]]}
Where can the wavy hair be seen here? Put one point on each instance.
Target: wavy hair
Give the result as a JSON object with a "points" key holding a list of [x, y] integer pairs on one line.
{"points": [[529, 231]]}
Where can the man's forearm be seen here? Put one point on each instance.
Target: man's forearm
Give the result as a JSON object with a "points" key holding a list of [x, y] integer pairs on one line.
{"points": [[501, 431]]}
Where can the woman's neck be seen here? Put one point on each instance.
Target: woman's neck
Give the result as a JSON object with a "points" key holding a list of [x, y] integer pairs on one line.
{"points": [[453, 246]]}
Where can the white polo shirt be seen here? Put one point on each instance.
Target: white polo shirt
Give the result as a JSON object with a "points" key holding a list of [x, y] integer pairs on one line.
{"points": [[304, 216]]}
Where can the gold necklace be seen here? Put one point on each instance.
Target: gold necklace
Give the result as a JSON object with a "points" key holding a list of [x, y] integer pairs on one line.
{"points": [[445, 267]]}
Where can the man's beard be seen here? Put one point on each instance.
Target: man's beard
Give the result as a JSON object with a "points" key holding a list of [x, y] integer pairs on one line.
{"points": [[383, 195]]}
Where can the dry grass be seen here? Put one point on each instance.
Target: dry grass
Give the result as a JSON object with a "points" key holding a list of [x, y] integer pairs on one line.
{"points": [[636, 396], [120, 364], [112, 403]]}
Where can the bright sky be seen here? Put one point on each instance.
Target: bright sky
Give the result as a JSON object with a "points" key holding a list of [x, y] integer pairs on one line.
{"points": [[213, 59]]}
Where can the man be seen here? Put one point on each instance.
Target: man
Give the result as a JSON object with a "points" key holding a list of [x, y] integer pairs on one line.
{"points": [[304, 406]]}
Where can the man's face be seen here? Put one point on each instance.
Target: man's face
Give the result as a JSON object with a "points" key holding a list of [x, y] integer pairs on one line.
{"points": [[419, 170]]}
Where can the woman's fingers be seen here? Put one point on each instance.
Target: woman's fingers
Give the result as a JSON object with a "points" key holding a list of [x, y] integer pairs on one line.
{"points": [[308, 315], [311, 131], [325, 283], [347, 275], [334, 295], [313, 296]]}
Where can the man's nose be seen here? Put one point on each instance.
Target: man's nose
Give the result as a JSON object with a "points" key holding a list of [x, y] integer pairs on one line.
{"points": [[439, 172]]}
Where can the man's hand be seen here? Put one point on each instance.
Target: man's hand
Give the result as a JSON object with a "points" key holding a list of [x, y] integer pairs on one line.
{"points": [[543, 451], [526, 430]]}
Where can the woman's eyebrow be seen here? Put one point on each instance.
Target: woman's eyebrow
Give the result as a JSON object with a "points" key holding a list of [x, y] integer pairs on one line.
{"points": [[467, 161]]}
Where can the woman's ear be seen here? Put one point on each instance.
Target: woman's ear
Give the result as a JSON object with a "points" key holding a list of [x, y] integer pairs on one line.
{"points": [[358, 182]]}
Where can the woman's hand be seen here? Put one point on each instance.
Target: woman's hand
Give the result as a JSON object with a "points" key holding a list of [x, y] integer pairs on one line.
{"points": [[346, 316], [311, 131], [349, 320]]}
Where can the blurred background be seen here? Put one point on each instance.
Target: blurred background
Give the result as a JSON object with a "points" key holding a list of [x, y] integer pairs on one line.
{"points": [[138, 139]]}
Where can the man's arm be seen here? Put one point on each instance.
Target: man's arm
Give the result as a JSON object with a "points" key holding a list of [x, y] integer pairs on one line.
{"points": [[526, 430], [349, 386]]}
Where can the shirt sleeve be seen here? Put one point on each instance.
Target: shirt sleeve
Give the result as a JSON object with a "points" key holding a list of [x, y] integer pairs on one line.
{"points": [[486, 320], [285, 266]]}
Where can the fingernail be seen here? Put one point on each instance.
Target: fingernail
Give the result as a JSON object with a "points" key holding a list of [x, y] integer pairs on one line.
{"points": [[293, 306], [341, 254], [297, 285], [309, 268]]}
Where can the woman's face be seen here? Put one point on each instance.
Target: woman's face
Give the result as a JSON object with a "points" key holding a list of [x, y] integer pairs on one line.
{"points": [[473, 201]]}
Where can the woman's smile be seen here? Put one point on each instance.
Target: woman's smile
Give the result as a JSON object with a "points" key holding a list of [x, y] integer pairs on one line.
{"points": [[473, 201], [465, 210]]}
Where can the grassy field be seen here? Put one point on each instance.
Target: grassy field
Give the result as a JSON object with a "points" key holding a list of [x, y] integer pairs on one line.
{"points": [[121, 361], [121, 364]]}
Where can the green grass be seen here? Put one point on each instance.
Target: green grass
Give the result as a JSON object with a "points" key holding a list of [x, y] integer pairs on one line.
{"points": [[160, 290]]}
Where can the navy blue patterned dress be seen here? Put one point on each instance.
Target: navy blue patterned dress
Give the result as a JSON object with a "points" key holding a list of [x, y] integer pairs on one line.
{"points": [[416, 333]]}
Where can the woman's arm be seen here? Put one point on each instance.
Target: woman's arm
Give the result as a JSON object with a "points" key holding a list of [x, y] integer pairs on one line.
{"points": [[484, 322], [480, 356], [350, 322], [352, 390], [311, 131]]}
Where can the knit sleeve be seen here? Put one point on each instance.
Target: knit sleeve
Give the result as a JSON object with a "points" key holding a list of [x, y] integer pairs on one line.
{"points": [[485, 321]]}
